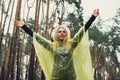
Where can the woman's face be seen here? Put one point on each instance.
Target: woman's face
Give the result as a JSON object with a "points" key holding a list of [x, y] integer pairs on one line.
{"points": [[61, 34]]}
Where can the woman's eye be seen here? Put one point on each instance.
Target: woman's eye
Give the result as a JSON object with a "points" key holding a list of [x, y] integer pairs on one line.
{"points": [[59, 31], [64, 32]]}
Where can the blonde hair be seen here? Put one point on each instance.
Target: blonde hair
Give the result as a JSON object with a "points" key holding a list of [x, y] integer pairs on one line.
{"points": [[65, 41]]}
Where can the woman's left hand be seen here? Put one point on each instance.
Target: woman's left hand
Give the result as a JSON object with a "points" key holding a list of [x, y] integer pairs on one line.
{"points": [[96, 12]]}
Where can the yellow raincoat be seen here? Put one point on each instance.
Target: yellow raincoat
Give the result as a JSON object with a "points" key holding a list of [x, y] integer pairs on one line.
{"points": [[78, 64]]}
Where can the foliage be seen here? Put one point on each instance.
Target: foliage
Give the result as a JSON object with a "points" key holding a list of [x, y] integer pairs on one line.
{"points": [[104, 47]]}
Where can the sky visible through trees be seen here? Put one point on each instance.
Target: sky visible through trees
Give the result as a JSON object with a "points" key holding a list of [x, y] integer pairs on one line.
{"points": [[104, 33]]}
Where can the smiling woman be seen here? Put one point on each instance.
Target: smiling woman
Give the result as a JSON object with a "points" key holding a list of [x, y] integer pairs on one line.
{"points": [[61, 34], [65, 58]]}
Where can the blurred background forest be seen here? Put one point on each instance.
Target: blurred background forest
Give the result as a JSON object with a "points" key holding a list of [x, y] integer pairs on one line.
{"points": [[17, 56]]}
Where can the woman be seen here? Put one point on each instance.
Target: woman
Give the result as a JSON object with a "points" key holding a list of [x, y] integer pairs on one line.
{"points": [[64, 59]]}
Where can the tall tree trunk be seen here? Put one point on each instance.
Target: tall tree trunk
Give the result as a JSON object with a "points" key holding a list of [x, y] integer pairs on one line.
{"points": [[14, 47], [3, 48], [7, 43], [63, 10], [1, 31], [22, 49], [47, 19], [32, 73]]}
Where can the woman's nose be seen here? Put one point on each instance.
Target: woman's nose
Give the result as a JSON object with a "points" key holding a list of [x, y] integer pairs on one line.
{"points": [[62, 33]]}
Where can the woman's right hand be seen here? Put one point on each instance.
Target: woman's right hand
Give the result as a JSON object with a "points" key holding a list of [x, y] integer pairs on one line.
{"points": [[19, 23]]}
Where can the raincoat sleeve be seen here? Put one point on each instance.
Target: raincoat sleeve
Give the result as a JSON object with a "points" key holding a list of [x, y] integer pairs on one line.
{"points": [[43, 49], [77, 38], [81, 56], [43, 41], [79, 35]]}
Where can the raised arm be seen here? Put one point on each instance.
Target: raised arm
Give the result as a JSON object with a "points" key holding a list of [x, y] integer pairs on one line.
{"points": [[92, 18], [80, 33], [45, 43]]}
